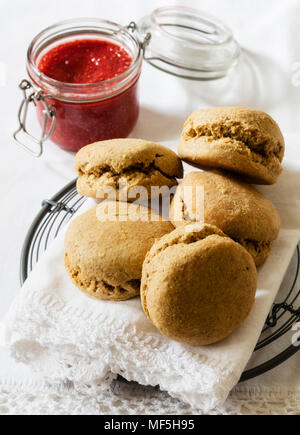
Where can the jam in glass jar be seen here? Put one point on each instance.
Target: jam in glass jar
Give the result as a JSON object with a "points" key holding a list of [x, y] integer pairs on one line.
{"points": [[86, 73]]}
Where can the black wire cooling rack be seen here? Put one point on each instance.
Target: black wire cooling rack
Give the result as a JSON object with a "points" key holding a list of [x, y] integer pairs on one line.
{"points": [[285, 313]]}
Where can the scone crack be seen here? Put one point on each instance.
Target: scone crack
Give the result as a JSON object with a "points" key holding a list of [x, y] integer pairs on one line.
{"points": [[109, 287], [132, 285], [95, 285], [129, 172], [254, 245], [262, 145], [187, 238], [186, 214]]}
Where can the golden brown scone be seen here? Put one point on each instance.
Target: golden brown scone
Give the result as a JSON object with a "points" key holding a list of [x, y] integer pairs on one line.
{"points": [[104, 257], [198, 285], [237, 139], [136, 162], [235, 207]]}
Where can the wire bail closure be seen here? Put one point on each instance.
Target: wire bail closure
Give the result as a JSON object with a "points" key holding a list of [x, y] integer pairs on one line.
{"points": [[49, 113], [132, 26]]}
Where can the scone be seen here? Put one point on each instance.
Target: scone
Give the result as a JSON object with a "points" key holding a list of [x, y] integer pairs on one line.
{"points": [[245, 141], [237, 208], [125, 165], [198, 285], [104, 257]]}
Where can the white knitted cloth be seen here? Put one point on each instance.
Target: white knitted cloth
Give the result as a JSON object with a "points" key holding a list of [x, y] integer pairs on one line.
{"points": [[132, 399]]}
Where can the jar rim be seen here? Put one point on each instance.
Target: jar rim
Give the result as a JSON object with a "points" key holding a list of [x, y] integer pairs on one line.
{"points": [[188, 43], [73, 86], [193, 11]]}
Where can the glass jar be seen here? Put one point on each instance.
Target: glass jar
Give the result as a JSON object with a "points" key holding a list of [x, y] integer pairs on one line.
{"points": [[80, 114], [180, 41]]}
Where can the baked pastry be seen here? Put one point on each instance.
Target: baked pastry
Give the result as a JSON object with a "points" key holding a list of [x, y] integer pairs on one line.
{"points": [[237, 139], [124, 165], [235, 207], [198, 285], [104, 257]]}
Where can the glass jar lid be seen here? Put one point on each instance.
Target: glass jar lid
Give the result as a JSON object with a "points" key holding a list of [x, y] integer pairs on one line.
{"points": [[188, 43]]}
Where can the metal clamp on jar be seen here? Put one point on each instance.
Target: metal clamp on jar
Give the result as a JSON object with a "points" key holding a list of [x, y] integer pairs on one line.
{"points": [[180, 41]]}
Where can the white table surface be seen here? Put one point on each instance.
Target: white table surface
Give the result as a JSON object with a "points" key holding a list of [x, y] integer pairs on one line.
{"points": [[267, 79]]}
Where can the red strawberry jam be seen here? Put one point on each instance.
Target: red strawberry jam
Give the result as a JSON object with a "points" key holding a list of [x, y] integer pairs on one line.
{"points": [[85, 61], [84, 120]]}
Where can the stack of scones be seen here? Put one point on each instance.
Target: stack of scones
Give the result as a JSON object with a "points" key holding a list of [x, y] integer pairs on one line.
{"points": [[197, 273]]}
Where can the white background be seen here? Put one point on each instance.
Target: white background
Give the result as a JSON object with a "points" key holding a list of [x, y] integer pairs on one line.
{"points": [[266, 79]]}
